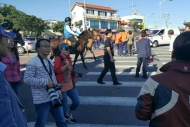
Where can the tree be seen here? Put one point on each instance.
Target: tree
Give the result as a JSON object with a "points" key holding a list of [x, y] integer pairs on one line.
{"points": [[58, 27], [14, 18]]}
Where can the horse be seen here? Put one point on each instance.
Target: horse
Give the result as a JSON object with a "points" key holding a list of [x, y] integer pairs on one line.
{"points": [[18, 38], [83, 41]]}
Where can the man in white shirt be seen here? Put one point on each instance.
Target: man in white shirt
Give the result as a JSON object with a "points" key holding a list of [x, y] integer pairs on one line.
{"points": [[78, 31], [172, 38]]}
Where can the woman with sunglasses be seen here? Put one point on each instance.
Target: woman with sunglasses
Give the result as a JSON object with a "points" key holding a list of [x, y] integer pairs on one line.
{"points": [[12, 71], [64, 73]]}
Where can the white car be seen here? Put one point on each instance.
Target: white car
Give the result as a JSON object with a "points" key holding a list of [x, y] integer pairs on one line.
{"points": [[30, 44], [161, 37]]}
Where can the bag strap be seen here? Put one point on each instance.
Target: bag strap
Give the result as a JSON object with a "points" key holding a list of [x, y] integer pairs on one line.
{"points": [[50, 72]]}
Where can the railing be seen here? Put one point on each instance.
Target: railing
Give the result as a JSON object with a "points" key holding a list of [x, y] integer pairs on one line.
{"points": [[103, 17]]}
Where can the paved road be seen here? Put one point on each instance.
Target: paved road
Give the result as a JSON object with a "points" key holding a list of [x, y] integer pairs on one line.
{"points": [[105, 105]]}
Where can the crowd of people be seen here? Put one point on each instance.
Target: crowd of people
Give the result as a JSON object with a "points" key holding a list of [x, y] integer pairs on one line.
{"points": [[163, 99]]}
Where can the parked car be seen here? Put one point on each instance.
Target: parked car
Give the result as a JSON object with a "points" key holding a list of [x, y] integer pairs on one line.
{"points": [[30, 44], [161, 37]]}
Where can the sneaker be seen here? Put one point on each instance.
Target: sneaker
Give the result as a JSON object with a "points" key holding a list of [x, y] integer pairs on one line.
{"points": [[70, 119]]}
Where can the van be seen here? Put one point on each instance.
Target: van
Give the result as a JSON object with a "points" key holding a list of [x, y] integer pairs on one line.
{"points": [[162, 38]]}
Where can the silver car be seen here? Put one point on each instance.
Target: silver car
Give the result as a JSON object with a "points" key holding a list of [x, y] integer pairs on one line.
{"points": [[30, 44]]}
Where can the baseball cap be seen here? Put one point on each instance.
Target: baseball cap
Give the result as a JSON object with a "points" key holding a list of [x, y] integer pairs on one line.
{"points": [[63, 45], [5, 33]]}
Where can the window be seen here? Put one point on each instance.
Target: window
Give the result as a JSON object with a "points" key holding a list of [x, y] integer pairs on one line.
{"points": [[94, 24], [105, 14], [88, 11], [104, 24], [100, 13], [113, 25], [74, 14]]}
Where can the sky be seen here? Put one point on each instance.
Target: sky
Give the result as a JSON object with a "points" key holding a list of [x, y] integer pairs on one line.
{"points": [[178, 10]]}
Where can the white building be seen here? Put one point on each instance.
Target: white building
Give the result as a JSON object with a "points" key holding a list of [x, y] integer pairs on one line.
{"points": [[98, 17], [50, 22]]}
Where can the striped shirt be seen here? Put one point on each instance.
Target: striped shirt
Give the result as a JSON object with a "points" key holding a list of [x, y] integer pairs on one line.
{"points": [[12, 71], [37, 77]]}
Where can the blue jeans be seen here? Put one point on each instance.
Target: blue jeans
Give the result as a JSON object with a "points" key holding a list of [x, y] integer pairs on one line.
{"points": [[73, 95], [16, 87], [42, 112], [121, 48]]}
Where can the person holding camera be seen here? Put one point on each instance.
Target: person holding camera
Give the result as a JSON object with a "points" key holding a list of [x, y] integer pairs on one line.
{"points": [[40, 76], [65, 75]]}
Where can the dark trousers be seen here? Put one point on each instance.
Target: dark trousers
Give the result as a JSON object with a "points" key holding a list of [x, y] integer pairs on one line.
{"points": [[129, 48], [74, 42], [145, 65], [108, 65]]}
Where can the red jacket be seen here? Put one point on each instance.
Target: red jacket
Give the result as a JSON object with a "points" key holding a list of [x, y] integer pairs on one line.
{"points": [[58, 63], [165, 98]]}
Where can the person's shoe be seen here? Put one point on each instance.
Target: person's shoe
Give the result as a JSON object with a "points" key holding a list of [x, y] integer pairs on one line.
{"points": [[70, 119], [136, 76], [101, 82], [118, 83]]}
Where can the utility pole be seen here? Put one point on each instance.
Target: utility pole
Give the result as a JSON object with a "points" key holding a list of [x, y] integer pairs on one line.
{"points": [[167, 18], [84, 15]]}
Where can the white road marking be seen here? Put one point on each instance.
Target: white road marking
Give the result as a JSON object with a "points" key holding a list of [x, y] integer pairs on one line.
{"points": [[123, 66], [119, 73], [31, 124], [109, 84]]}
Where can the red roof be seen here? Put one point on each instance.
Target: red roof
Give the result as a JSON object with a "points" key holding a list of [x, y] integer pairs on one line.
{"points": [[94, 7]]}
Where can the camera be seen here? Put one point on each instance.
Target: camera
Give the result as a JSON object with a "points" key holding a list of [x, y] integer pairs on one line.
{"points": [[76, 74], [53, 95]]}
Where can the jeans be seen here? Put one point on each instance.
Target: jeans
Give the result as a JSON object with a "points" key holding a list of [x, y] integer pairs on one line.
{"points": [[73, 95], [16, 87], [42, 112], [121, 48]]}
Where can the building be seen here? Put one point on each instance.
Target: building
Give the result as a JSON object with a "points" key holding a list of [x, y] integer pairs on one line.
{"points": [[132, 18], [50, 22], [98, 17]]}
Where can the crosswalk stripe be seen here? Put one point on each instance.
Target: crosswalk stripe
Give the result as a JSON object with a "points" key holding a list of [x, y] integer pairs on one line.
{"points": [[164, 63], [103, 100], [123, 66], [31, 124], [165, 59], [163, 55], [23, 69], [109, 84], [119, 73]]}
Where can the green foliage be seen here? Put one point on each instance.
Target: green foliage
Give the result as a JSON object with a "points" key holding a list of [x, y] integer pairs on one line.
{"points": [[58, 27], [11, 18]]}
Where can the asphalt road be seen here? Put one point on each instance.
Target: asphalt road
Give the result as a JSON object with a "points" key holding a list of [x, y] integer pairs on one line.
{"points": [[103, 105]]}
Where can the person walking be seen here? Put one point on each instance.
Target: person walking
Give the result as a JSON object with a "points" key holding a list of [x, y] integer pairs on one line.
{"points": [[164, 98], [12, 71], [172, 38], [65, 75], [108, 60], [118, 42], [130, 42], [124, 43], [12, 112], [143, 54], [40, 76]]}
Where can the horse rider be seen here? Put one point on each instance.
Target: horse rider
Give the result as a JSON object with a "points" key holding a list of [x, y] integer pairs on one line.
{"points": [[70, 35], [78, 28]]}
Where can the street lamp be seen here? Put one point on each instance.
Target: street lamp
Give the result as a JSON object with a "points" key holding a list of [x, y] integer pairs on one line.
{"points": [[146, 18], [160, 4]]}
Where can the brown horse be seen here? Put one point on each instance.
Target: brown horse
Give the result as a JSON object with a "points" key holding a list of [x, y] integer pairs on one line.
{"points": [[83, 41], [18, 38]]}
